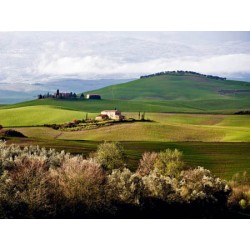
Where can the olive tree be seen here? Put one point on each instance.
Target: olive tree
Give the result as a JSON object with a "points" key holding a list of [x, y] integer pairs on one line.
{"points": [[111, 155], [169, 162]]}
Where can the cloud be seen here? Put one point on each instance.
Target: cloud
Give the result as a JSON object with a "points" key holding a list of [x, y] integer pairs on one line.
{"points": [[29, 57], [57, 65], [96, 66], [222, 64]]}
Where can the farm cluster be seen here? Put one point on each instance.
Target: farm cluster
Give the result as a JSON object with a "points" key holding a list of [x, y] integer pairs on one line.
{"points": [[106, 118], [68, 95]]}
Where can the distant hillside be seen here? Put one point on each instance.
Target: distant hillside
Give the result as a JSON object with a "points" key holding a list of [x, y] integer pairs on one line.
{"points": [[189, 93], [10, 97], [65, 85], [178, 86], [78, 85]]}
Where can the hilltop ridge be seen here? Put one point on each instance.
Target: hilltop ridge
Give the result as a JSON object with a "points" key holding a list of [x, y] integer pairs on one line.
{"points": [[182, 72], [176, 85]]}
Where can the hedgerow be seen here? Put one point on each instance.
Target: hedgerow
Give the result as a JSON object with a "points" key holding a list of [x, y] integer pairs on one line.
{"points": [[43, 183]]}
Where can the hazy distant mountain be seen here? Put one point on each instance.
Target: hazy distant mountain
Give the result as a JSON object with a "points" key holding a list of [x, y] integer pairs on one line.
{"points": [[67, 85], [240, 77], [9, 97], [79, 85]]}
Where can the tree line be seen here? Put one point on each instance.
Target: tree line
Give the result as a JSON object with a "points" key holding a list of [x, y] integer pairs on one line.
{"points": [[181, 72]]}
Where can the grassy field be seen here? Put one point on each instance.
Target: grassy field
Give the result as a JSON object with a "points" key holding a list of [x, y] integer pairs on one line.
{"points": [[38, 115], [164, 128], [223, 159], [226, 106]]}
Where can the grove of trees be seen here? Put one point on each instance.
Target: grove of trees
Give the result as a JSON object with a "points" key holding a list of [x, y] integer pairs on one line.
{"points": [[182, 72]]}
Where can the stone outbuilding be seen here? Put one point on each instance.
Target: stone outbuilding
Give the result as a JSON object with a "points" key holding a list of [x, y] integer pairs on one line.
{"points": [[93, 97]]}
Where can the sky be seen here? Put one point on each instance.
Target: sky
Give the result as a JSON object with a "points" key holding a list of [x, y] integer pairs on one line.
{"points": [[27, 58]]}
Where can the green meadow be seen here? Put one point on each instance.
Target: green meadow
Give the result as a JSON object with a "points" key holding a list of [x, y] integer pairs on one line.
{"points": [[174, 87], [37, 115], [216, 106], [163, 127], [223, 158]]}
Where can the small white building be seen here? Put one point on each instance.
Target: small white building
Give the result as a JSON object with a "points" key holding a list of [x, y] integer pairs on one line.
{"points": [[113, 114], [93, 96]]}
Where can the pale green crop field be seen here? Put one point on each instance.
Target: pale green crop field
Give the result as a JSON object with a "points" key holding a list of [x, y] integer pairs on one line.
{"points": [[38, 115], [163, 127]]}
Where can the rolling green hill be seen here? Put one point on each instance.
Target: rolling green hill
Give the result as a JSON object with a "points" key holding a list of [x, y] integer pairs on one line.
{"points": [[177, 93], [166, 93], [187, 87], [166, 127]]}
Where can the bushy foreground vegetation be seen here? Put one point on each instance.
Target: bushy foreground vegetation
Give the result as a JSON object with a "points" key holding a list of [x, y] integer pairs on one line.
{"points": [[40, 183]]}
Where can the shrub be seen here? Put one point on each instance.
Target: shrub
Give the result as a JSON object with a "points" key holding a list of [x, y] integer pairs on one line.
{"points": [[111, 155], [243, 203], [124, 186], [241, 192], [240, 196], [13, 133], [169, 162], [10, 154], [158, 186], [26, 189], [40, 183], [146, 164], [200, 184], [81, 183]]}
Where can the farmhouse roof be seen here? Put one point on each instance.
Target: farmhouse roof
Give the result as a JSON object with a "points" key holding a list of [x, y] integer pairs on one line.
{"points": [[113, 110]]}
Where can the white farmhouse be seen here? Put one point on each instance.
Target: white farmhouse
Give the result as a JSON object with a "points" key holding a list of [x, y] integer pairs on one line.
{"points": [[113, 114]]}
